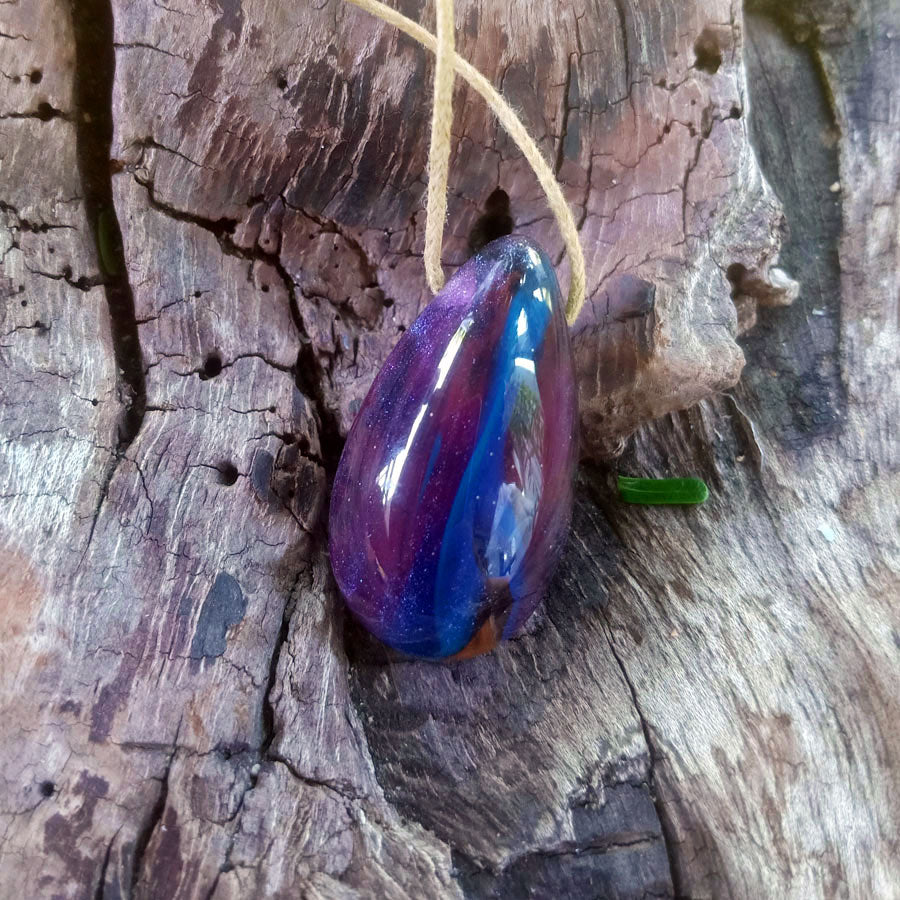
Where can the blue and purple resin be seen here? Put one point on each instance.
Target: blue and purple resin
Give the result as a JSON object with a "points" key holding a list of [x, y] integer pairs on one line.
{"points": [[453, 495]]}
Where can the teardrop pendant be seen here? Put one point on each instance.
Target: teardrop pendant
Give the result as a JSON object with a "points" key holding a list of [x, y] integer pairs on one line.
{"points": [[454, 491]]}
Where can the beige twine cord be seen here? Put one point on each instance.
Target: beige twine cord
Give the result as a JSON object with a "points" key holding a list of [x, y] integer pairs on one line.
{"points": [[448, 63], [439, 151]]}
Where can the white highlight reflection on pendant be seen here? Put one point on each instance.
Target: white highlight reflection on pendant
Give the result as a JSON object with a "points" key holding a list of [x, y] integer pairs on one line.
{"points": [[542, 295], [522, 323], [524, 363], [451, 351], [389, 477]]}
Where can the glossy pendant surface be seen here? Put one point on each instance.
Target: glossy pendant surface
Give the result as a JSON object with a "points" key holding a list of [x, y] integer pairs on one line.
{"points": [[453, 495]]}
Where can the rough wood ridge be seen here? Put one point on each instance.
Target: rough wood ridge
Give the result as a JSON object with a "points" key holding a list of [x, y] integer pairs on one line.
{"points": [[210, 237]]}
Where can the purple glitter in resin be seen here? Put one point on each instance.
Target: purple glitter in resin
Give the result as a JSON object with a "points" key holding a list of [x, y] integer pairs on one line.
{"points": [[452, 498]]}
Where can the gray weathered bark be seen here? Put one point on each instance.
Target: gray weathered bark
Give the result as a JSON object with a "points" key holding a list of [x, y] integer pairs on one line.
{"points": [[211, 232]]}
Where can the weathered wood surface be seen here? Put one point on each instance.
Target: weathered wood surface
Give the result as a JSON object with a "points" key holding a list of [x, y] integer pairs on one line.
{"points": [[707, 706]]}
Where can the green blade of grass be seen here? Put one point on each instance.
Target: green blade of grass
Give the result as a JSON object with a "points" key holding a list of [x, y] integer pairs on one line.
{"points": [[662, 491]]}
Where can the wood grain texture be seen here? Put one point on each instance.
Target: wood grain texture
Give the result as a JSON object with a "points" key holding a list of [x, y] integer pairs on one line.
{"points": [[205, 256]]}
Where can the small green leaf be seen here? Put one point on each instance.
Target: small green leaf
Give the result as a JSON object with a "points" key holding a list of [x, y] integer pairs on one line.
{"points": [[658, 491]]}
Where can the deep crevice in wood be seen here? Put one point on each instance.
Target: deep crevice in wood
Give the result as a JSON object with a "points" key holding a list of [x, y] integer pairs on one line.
{"points": [[795, 154], [268, 710], [145, 834], [95, 65], [667, 828], [496, 221], [309, 376], [665, 823], [100, 893]]}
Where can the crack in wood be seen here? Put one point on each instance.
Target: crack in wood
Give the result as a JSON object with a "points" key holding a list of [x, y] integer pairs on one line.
{"points": [[100, 893], [145, 835], [666, 826], [92, 22], [309, 371]]}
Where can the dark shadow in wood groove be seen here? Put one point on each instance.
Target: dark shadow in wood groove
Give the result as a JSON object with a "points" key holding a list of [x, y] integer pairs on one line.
{"points": [[95, 65]]}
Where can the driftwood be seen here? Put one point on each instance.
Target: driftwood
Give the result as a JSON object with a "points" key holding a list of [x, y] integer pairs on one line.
{"points": [[211, 232]]}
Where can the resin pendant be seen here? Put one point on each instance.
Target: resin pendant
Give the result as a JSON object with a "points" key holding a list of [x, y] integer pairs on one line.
{"points": [[454, 491]]}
